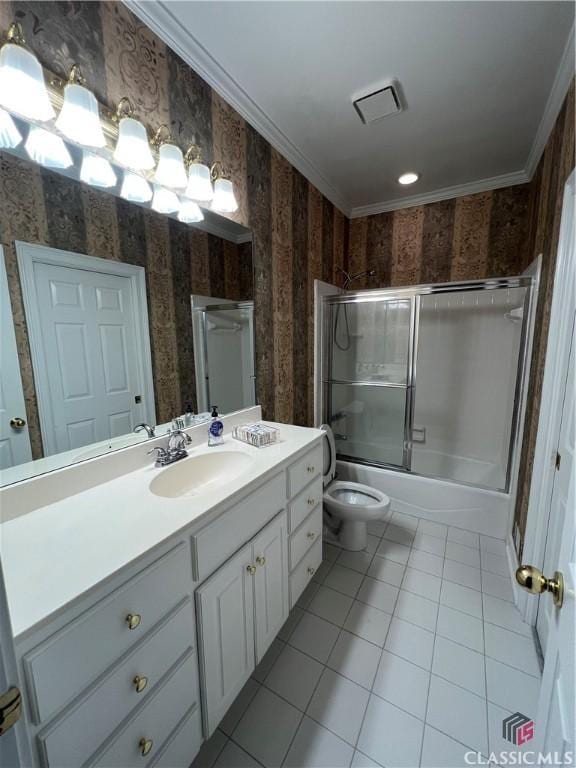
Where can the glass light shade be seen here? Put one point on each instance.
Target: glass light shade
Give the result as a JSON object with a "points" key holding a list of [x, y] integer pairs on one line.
{"points": [[47, 149], [164, 200], [22, 86], [96, 170], [10, 136], [224, 200], [199, 184], [170, 171], [189, 212], [135, 188], [132, 149], [79, 119]]}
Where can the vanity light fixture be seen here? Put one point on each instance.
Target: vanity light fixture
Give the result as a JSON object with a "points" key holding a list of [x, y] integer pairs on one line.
{"points": [[47, 149], [224, 200], [189, 212], [10, 136], [132, 148], [170, 171], [79, 119], [22, 87], [165, 200], [408, 178], [96, 171], [135, 188], [199, 186]]}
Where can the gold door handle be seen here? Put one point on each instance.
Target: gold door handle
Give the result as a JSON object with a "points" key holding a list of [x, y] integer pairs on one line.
{"points": [[145, 746], [261, 560], [251, 569], [10, 709], [311, 535], [311, 571], [133, 620], [311, 502], [17, 423], [533, 580], [140, 682]]}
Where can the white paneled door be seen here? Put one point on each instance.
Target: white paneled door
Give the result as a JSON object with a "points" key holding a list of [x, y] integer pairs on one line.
{"points": [[14, 437], [86, 334]]}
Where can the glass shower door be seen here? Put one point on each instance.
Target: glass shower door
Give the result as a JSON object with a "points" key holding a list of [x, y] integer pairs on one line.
{"points": [[369, 382]]}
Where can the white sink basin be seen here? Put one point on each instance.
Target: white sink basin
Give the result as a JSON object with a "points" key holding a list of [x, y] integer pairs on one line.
{"points": [[190, 476]]}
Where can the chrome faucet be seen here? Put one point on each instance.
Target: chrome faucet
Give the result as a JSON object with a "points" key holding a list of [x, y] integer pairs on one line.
{"points": [[149, 430], [176, 449]]}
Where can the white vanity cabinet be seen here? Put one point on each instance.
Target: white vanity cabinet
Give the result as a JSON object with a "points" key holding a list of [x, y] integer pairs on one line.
{"points": [[241, 608]]}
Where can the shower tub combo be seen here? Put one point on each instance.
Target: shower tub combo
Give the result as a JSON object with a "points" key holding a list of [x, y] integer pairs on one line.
{"points": [[423, 388]]}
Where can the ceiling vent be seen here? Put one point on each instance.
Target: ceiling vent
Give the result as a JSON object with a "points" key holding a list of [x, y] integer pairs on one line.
{"points": [[378, 104]]}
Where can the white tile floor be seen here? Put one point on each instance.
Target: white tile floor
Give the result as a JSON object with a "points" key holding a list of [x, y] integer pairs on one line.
{"points": [[408, 654]]}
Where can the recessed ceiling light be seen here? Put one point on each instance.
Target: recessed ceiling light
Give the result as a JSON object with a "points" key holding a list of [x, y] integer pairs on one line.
{"points": [[408, 178]]}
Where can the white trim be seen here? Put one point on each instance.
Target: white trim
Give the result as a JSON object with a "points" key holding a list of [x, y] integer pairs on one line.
{"points": [[29, 254], [564, 75], [182, 41], [446, 193], [559, 338], [156, 16]]}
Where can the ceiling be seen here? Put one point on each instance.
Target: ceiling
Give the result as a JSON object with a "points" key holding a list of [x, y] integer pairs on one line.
{"points": [[481, 84]]}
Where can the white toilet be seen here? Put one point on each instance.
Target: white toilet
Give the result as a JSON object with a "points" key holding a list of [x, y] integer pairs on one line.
{"points": [[350, 505]]}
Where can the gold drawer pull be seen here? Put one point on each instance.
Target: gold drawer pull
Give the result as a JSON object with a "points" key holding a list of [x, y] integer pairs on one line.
{"points": [[310, 469], [311, 502], [140, 682], [311, 535], [145, 746], [261, 560], [251, 569], [311, 570], [133, 620]]}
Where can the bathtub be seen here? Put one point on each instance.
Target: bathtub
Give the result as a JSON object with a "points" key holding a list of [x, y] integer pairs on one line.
{"points": [[442, 501]]}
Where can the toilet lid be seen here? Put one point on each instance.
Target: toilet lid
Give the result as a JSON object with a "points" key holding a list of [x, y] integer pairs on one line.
{"points": [[329, 446]]}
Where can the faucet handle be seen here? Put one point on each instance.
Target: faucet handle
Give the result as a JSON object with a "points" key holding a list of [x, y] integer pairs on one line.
{"points": [[162, 452]]}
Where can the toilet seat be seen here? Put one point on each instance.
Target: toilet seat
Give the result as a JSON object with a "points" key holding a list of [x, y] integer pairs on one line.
{"points": [[355, 501]]}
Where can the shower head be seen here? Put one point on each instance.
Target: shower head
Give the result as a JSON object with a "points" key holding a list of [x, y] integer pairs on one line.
{"points": [[348, 278]]}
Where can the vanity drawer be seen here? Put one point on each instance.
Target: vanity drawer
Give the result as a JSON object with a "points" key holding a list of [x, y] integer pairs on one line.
{"points": [[303, 538], [183, 745], [63, 666], [76, 737], [300, 507], [155, 721], [225, 535], [303, 470], [306, 568]]}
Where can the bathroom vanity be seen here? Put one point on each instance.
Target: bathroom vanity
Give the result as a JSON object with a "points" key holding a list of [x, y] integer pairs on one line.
{"points": [[141, 606]]}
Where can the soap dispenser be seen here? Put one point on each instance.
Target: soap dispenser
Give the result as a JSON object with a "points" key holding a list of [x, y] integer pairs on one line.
{"points": [[216, 428]]}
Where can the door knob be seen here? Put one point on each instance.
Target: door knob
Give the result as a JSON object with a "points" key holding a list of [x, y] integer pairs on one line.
{"points": [[533, 580], [10, 709], [17, 423], [261, 560], [251, 569]]}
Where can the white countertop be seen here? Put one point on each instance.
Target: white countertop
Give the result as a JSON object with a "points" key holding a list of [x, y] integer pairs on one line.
{"points": [[53, 554]]}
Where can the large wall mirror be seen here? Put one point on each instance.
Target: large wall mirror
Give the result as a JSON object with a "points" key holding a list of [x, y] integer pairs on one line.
{"points": [[150, 320]]}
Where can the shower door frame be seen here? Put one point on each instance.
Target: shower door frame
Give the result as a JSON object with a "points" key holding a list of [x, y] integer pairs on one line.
{"points": [[415, 292]]}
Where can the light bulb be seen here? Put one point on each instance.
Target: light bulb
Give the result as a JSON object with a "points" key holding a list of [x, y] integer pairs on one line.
{"points": [[96, 171], [189, 212], [10, 136], [22, 86], [132, 149], [199, 183], [135, 188], [47, 149], [170, 171], [79, 119], [164, 200], [408, 178], [224, 200]]}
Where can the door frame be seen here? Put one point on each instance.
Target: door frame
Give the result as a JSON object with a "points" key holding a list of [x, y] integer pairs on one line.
{"points": [[28, 255], [557, 355]]}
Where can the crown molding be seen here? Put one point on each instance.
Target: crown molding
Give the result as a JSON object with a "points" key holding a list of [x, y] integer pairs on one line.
{"points": [[458, 190], [161, 21], [562, 80]]}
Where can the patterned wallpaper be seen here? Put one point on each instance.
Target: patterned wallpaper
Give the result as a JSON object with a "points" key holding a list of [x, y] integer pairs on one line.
{"points": [[467, 238], [547, 188], [38, 206]]}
